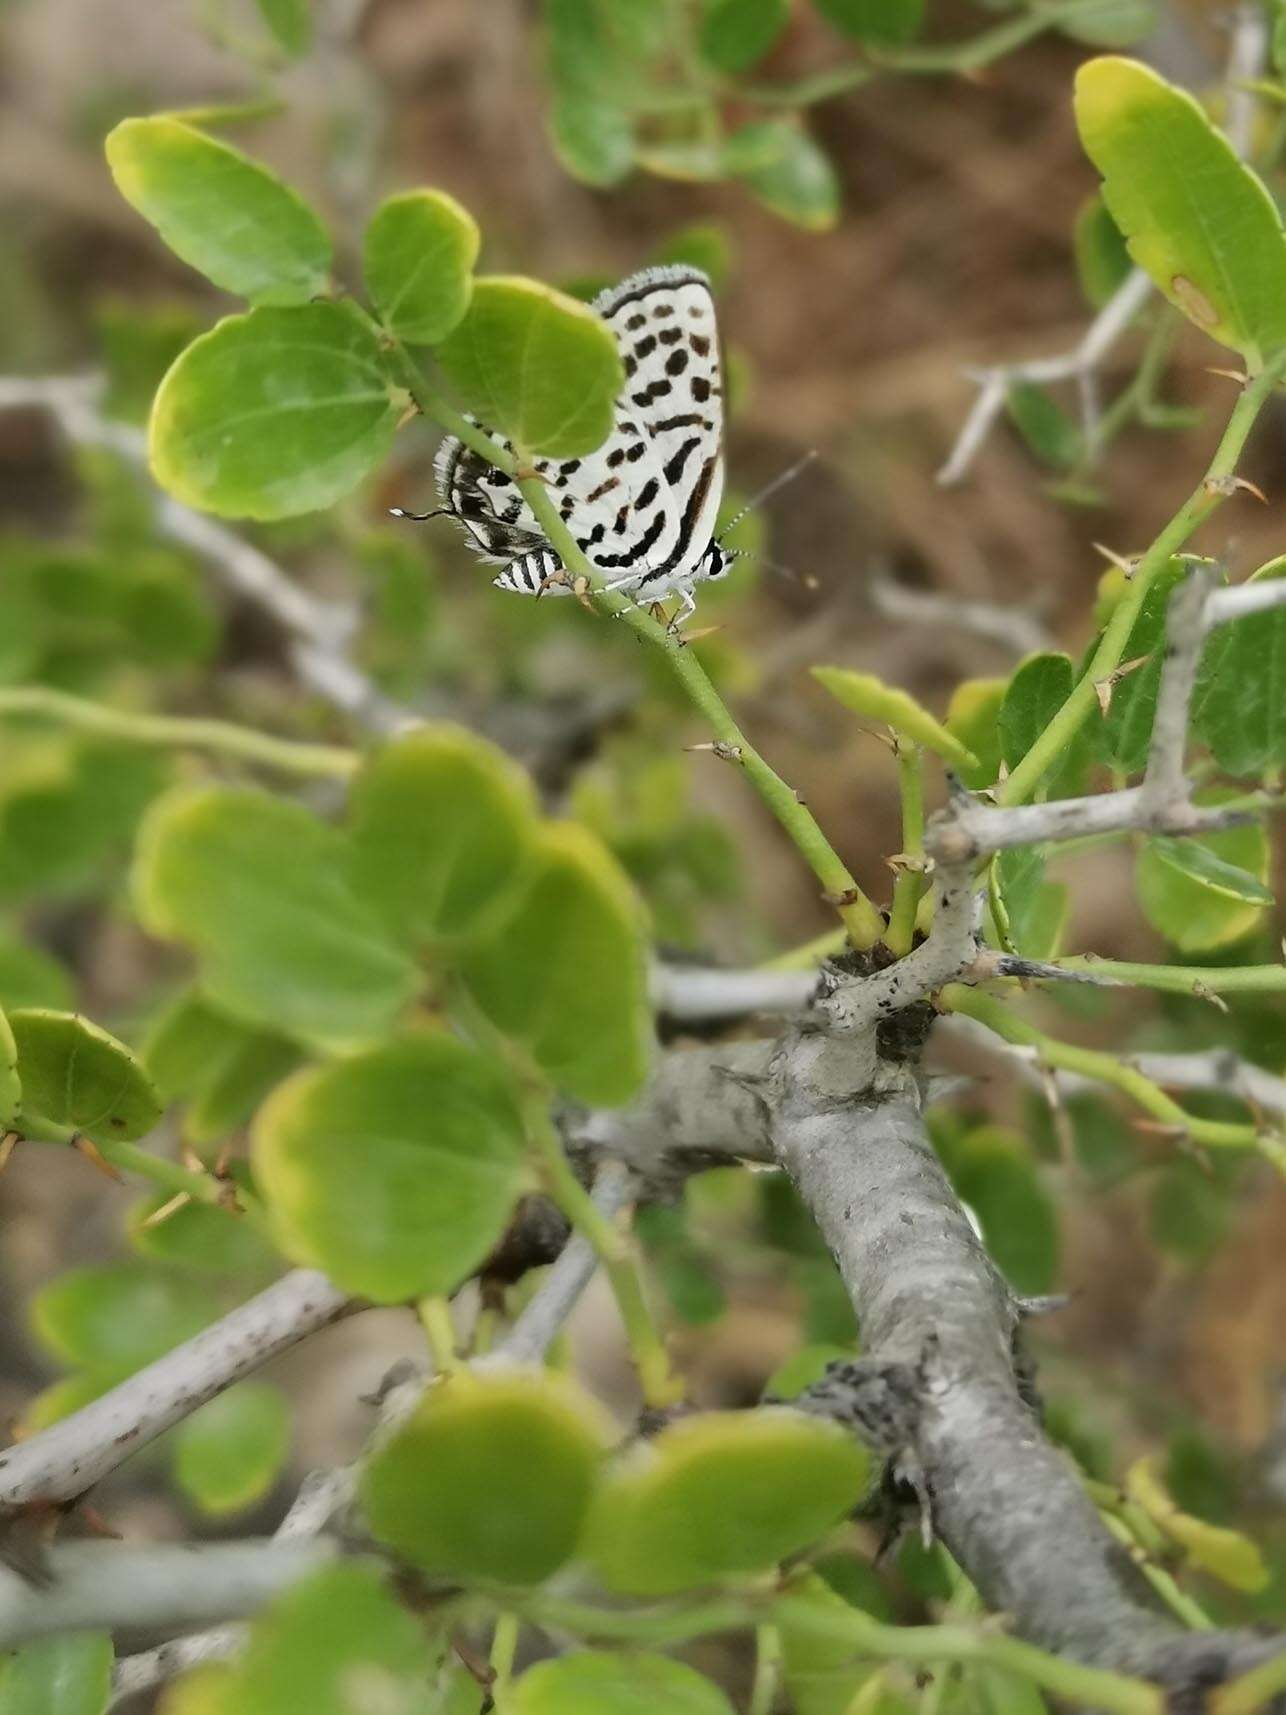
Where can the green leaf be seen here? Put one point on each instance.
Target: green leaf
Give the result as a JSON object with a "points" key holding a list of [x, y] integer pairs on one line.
{"points": [[871, 698], [10, 1083], [722, 1494], [1125, 732], [803, 1368], [1228, 1555], [1030, 912], [1239, 707], [993, 1172], [973, 717], [228, 1454], [736, 34], [1102, 260], [339, 1643], [74, 1074], [418, 260], [291, 24], [492, 1477], [256, 886], [394, 1171], [274, 413], [1047, 429], [596, 50], [221, 1068], [1033, 697], [1204, 901], [116, 1317], [593, 138], [788, 172], [536, 365], [567, 978], [443, 830], [601, 1682], [1111, 23], [66, 1675], [220, 211], [1199, 221], [821, 1675], [881, 23], [202, 1236]]}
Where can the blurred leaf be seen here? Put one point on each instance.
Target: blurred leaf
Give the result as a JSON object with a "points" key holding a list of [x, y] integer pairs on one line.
{"points": [[1125, 732], [1030, 912], [1003, 1693], [593, 138], [221, 212], [599, 1682], [255, 885], [116, 1317], [737, 34], [1111, 23], [599, 52], [10, 1083], [229, 1453], [1202, 1476], [203, 1236], [274, 413], [567, 976], [1195, 217], [418, 259], [1032, 698], [1188, 1212], [1202, 902], [1228, 1555], [701, 245], [139, 342], [395, 1170], [973, 720], [994, 1174], [1047, 429], [722, 1494], [66, 1675], [443, 830], [803, 1368], [291, 24], [881, 23], [219, 1066], [1239, 708], [492, 1477], [821, 1675], [74, 1074], [871, 698], [1102, 259], [31, 977], [536, 365], [685, 1275], [788, 172]]}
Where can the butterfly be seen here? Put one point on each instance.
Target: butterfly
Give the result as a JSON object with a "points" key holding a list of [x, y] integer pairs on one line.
{"points": [[642, 507]]}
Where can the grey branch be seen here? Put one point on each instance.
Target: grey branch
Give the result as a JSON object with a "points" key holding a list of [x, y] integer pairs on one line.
{"points": [[100, 1586], [693, 994], [318, 632], [1015, 628]]}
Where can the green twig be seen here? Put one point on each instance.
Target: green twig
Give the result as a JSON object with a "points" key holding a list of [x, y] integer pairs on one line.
{"points": [[175, 732], [1252, 1691], [768, 1664], [439, 1330], [910, 882], [1103, 1068], [504, 1646], [1208, 495], [1183, 979], [1180, 1604]]}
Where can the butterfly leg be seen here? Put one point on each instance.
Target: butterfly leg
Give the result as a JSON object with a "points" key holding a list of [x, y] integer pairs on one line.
{"points": [[688, 600]]}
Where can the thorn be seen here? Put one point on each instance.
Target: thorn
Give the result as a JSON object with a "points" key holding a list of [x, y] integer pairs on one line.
{"points": [[529, 473], [409, 414], [177, 1202], [1237, 375], [97, 1524], [1230, 485], [850, 896], [8, 1143], [223, 1162], [1044, 1304], [1123, 563], [1103, 691], [685, 638], [94, 1155], [191, 1160], [914, 863], [725, 752], [1201, 991], [580, 589]]}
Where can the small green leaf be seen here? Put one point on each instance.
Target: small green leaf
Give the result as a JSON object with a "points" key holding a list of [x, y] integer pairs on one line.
{"points": [[1239, 707], [74, 1074], [1030, 912], [339, 1643], [394, 1171], [1124, 734], [291, 24], [1228, 1555], [1047, 429], [788, 172], [720, 1495], [881, 23], [274, 413], [1204, 901], [736, 34], [1033, 697], [1111, 23], [492, 1477], [993, 1172], [228, 1454], [70, 1674], [443, 828], [418, 262], [600, 1682], [973, 720], [567, 977], [220, 211], [593, 138], [1102, 259], [536, 365], [256, 886], [871, 698], [116, 1317], [1199, 221]]}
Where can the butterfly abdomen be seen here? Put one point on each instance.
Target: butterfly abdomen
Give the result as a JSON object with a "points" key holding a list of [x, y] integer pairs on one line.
{"points": [[530, 573]]}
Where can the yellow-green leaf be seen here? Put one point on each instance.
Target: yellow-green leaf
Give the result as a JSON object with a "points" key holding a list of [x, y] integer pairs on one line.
{"points": [[871, 698], [74, 1074], [418, 260], [1228, 1555]]}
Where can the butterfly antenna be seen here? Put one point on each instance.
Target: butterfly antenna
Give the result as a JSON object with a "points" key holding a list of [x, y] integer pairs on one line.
{"points": [[777, 482], [806, 579], [418, 517]]}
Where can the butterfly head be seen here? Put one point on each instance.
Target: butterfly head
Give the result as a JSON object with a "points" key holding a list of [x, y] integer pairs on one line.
{"points": [[716, 562]]}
